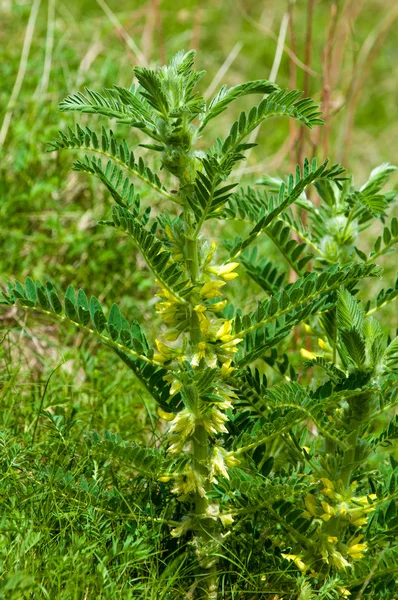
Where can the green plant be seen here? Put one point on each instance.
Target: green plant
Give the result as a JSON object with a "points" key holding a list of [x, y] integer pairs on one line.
{"points": [[296, 476]]}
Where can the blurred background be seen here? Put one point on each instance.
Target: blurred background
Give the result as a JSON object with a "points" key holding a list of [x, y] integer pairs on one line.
{"points": [[341, 52]]}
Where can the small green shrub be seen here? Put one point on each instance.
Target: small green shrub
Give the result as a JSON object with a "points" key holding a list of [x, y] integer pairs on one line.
{"points": [[277, 474]]}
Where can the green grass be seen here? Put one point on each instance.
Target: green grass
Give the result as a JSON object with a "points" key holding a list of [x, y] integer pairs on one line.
{"points": [[77, 524]]}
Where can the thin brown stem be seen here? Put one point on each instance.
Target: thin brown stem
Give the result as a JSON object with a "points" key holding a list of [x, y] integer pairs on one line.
{"points": [[292, 85], [367, 55], [307, 62], [274, 37]]}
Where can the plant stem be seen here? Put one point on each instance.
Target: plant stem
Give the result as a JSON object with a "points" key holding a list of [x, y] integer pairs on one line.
{"points": [[192, 258], [200, 444], [349, 458], [207, 585]]}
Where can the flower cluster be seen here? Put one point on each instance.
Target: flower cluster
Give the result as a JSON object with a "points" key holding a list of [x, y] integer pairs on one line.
{"points": [[220, 461], [339, 504], [334, 510], [184, 423], [189, 482], [214, 347], [218, 343]]}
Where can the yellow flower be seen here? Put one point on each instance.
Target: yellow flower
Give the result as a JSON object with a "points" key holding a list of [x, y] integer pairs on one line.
{"points": [[229, 346], [357, 555], [327, 483], [213, 510], [231, 459], [310, 504], [168, 310], [165, 352], [205, 351], [224, 271], [296, 558], [211, 289], [339, 561], [204, 323], [327, 508], [189, 482], [214, 421], [182, 427], [223, 333], [200, 309], [165, 415], [356, 549], [183, 528], [164, 478], [226, 519], [217, 306], [360, 522], [306, 354], [226, 368], [329, 511], [342, 508], [175, 384], [322, 344], [213, 248], [164, 293], [364, 499], [217, 464], [328, 490], [332, 539]]}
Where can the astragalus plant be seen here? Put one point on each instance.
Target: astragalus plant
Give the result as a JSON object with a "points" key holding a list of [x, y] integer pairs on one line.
{"points": [[277, 468]]}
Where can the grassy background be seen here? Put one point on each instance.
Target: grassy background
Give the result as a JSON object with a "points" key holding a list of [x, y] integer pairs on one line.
{"points": [[70, 528]]}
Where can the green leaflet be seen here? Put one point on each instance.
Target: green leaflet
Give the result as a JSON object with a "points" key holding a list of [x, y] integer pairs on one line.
{"points": [[158, 258], [118, 153], [115, 330], [270, 209], [146, 461], [225, 96], [276, 317]]}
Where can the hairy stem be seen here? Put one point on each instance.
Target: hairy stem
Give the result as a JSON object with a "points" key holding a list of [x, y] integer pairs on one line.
{"points": [[192, 258], [208, 587], [205, 532], [349, 458]]}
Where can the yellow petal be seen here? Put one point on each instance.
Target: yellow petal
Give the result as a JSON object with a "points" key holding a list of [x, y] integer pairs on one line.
{"points": [[310, 504], [211, 289], [230, 276], [224, 330], [226, 519], [165, 415], [223, 270], [327, 508], [327, 483], [322, 344], [326, 517], [306, 354], [217, 306]]}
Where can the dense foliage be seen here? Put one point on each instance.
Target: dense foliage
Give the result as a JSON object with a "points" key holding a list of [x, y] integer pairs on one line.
{"points": [[267, 484]]}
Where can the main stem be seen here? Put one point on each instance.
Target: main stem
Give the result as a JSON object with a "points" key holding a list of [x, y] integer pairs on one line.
{"points": [[349, 458], [207, 587]]}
